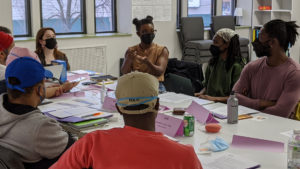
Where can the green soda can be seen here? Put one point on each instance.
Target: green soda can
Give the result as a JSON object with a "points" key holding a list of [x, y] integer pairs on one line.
{"points": [[189, 122]]}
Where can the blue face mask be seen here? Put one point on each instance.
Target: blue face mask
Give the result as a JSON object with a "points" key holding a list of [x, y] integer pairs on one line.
{"points": [[218, 145], [136, 100]]}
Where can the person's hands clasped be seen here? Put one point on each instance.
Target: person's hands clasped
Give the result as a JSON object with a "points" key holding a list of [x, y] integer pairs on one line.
{"points": [[131, 54], [142, 59]]}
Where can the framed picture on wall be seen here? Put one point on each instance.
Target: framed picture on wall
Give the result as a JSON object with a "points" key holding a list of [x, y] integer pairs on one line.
{"points": [[194, 3]]}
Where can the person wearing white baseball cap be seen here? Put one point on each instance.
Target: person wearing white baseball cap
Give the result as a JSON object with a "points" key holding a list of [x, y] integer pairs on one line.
{"points": [[136, 145]]}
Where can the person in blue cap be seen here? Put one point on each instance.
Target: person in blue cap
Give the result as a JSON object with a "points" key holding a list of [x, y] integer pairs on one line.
{"points": [[38, 139]]}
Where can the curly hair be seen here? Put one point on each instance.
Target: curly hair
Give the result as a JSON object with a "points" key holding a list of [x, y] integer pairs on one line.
{"points": [[138, 23]]}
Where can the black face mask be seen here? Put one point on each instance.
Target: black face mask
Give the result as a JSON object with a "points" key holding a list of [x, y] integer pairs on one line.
{"points": [[147, 38], [215, 50], [260, 49], [51, 43]]}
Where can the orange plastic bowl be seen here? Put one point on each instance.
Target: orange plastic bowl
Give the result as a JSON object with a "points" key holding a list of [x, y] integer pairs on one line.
{"points": [[212, 127]]}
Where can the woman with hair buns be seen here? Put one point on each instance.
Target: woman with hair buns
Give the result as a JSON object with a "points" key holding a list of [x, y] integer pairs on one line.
{"points": [[146, 56], [271, 84], [224, 68]]}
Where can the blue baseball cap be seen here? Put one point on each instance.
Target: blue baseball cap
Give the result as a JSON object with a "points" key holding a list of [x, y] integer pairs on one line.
{"points": [[28, 71]]}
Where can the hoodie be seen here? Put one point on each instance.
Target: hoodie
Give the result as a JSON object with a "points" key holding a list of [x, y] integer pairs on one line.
{"points": [[32, 135]]}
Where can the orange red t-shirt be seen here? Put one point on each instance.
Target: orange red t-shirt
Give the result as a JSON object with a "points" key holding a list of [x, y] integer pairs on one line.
{"points": [[127, 148]]}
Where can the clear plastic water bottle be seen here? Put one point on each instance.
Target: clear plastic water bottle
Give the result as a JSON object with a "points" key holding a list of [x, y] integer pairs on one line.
{"points": [[294, 151], [232, 109], [103, 92]]}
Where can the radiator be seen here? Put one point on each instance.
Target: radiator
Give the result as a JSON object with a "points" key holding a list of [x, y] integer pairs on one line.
{"points": [[87, 58]]}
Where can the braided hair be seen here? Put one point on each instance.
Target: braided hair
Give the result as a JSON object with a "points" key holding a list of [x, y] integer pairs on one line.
{"points": [[234, 53], [285, 32]]}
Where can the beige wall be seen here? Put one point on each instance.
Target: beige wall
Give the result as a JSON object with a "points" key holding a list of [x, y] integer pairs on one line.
{"points": [[116, 46]]}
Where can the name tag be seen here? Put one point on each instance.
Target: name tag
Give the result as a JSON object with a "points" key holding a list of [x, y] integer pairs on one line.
{"points": [[109, 104], [201, 114], [169, 125]]}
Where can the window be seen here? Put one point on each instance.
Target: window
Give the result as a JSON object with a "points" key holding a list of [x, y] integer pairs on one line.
{"points": [[204, 8], [105, 16], [65, 16], [228, 7], [21, 18]]}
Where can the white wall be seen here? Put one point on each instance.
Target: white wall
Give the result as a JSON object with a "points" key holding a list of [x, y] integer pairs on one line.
{"points": [[246, 5], [116, 46]]}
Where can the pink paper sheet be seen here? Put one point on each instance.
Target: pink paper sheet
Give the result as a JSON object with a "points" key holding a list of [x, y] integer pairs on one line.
{"points": [[109, 104], [169, 125], [72, 94], [201, 114], [257, 144]]}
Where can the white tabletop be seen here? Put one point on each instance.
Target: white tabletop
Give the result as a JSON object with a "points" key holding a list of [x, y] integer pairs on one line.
{"points": [[269, 129]]}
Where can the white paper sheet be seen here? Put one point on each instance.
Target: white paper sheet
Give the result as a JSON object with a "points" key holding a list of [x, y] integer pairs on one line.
{"points": [[112, 86], [226, 161], [142, 2], [221, 109], [202, 101], [288, 133], [67, 104], [141, 11], [162, 13], [162, 2], [174, 98], [161, 10], [73, 112]]}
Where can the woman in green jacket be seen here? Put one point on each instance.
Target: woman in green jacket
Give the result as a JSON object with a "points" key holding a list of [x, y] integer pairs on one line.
{"points": [[224, 68]]}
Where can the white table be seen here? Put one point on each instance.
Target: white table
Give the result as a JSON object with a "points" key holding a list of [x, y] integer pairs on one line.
{"points": [[269, 129]]}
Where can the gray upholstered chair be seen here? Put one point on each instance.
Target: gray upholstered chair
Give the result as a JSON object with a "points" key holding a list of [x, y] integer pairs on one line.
{"points": [[194, 47], [219, 22], [9, 159]]}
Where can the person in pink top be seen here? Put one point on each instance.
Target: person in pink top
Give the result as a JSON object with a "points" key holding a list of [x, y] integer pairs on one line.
{"points": [[137, 145], [271, 84]]}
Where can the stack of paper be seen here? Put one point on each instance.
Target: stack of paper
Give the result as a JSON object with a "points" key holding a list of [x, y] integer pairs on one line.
{"points": [[73, 111], [226, 161]]}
